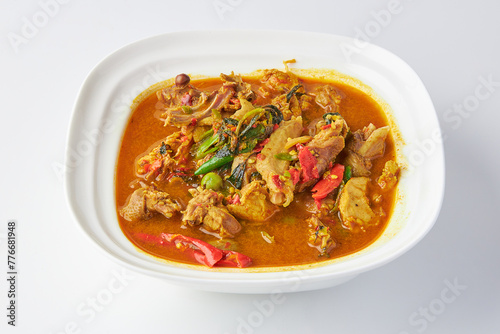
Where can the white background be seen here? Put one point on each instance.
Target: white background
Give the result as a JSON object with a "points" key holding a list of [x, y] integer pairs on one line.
{"points": [[66, 285]]}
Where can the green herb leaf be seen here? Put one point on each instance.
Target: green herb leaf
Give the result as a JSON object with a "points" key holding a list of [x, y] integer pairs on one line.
{"points": [[163, 148]]}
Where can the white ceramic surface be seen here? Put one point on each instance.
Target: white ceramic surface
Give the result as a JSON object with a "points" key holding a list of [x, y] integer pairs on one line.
{"points": [[102, 109]]}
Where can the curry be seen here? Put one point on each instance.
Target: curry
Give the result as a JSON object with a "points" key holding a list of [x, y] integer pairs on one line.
{"points": [[264, 171]]}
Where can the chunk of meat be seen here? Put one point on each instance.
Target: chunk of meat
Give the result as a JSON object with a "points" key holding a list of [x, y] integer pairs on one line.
{"points": [[180, 115], [206, 208], [243, 89], [320, 236], [364, 146], [177, 96], [389, 177], [328, 98], [273, 169], [161, 160], [276, 82], [325, 146], [293, 104], [254, 205], [354, 205], [144, 202]]}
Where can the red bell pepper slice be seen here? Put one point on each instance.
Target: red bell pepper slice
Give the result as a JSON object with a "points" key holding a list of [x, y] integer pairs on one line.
{"points": [[329, 182]]}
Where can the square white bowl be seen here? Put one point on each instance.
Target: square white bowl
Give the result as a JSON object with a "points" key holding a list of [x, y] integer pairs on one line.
{"points": [[102, 110]]}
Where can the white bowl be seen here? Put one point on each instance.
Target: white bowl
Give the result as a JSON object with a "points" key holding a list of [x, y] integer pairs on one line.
{"points": [[103, 107]]}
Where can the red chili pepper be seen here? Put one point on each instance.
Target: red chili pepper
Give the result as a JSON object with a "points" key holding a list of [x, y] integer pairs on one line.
{"points": [[235, 199], [308, 163], [261, 145], [146, 167], [193, 121], [294, 175], [234, 259], [326, 126], [329, 182], [201, 251], [277, 182], [209, 255], [155, 165]]}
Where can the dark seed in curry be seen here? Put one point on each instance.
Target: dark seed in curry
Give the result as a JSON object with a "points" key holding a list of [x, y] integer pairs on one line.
{"points": [[182, 80]]}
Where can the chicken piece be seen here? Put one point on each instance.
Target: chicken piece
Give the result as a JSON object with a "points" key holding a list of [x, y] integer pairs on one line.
{"points": [[389, 177], [272, 169], [254, 205], [320, 236], [354, 205], [176, 96], [243, 89], [365, 146], [294, 104], [324, 147], [144, 202], [180, 115], [162, 159], [206, 208], [276, 82], [328, 98]]}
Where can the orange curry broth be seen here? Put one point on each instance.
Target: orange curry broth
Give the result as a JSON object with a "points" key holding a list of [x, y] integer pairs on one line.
{"points": [[288, 226]]}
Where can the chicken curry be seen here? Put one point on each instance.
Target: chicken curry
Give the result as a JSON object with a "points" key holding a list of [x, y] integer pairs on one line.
{"points": [[264, 171]]}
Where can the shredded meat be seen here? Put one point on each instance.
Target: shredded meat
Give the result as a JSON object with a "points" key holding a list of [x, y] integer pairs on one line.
{"points": [[254, 205], [365, 146], [144, 202], [206, 208], [272, 169], [354, 205]]}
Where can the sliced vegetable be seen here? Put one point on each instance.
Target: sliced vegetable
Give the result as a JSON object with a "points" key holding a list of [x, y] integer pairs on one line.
{"points": [[163, 148], [308, 163], [330, 117], [212, 181], [284, 156], [204, 148], [292, 92], [199, 250], [222, 157], [236, 178], [330, 180], [267, 237], [275, 115], [234, 259], [213, 163]]}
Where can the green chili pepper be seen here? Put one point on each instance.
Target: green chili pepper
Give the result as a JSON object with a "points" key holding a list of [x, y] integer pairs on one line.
{"points": [[213, 163]]}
